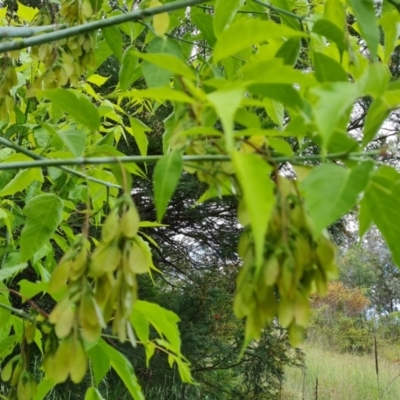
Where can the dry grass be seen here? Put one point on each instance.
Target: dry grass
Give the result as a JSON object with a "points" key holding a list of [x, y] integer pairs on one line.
{"points": [[342, 377]]}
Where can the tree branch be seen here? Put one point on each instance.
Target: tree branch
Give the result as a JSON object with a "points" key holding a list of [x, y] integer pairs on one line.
{"points": [[71, 171], [28, 31], [40, 163], [133, 16]]}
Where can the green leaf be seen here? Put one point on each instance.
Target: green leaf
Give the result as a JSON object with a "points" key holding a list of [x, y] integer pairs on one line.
{"points": [[128, 65], [113, 37], [375, 79], [364, 11], [335, 12], [377, 113], [275, 111], [97, 80], [247, 118], [258, 195], [331, 191], [100, 363], [382, 199], [342, 142], [7, 345], [74, 139], [154, 75], [282, 93], [168, 62], [44, 388], [205, 24], [150, 224], [226, 103], [25, 12], [165, 46], [102, 51], [4, 313], [332, 32], [274, 71], [138, 131], [166, 176], [334, 101], [164, 321], [30, 289], [327, 69], [392, 97], [124, 370], [389, 22], [43, 215], [281, 146], [8, 272], [224, 12], [289, 51], [77, 105], [248, 32], [21, 181], [93, 394], [140, 323]]}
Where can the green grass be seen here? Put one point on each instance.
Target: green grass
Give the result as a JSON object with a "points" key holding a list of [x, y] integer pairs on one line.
{"points": [[342, 376]]}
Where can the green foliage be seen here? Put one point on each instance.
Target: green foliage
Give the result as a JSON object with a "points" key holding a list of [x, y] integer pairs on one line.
{"points": [[166, 176], [243, 97], [43, 215]]}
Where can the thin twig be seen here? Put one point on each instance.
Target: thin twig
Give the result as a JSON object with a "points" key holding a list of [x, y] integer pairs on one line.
{"points": [[31, 303], [18, 312]]}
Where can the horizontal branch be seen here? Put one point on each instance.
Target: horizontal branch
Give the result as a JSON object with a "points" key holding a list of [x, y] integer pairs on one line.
{"points": [[191, 158], [28, 31], [133, 16], [37, 157]]}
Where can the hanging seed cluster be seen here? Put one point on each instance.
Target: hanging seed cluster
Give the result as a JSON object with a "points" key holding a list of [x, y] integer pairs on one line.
{"points": [[63, 61], [297, 263], [15, 371], [100, 289], [8, 79], [68, 58], [119, 257]]}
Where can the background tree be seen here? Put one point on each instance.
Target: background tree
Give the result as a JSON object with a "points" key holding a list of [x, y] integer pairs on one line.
{"points": [[369, 266]]}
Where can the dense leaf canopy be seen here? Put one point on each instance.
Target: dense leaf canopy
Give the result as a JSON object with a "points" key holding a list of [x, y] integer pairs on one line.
{"points": [[179, 164]]}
